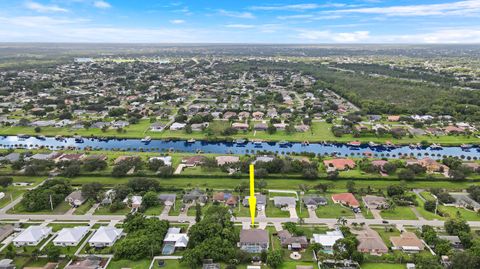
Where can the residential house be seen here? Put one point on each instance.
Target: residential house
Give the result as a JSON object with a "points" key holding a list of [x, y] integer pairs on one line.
{"points": [[393, 118], [260, 127], [167, 160], [32, 236], [176, 126], [229, 114], [7, 264], [134, 201], [284, 202], [407, 242], [175, 239], [454, 240], [222, 160], [327, 240], [264, 158], [105, 236], [120, 159], [195, 195], [346, 199], [12, 157], [375, 202], [302, 128], [120, 124], [157, 127], [313, 202], [261, 201], [167, 199], [193, 160], [225, 197], [70, 236], [292, 242], [199, 126], [370, 242], [70, 157], [75, 199], [240, 126], [431, 165], [90, 262], [258, 115], [339, 164], [254, 240]]}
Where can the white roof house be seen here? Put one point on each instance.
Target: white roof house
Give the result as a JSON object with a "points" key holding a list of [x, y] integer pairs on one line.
{"points": [[180, 240], [177, 126], [32, 236], [167, 160], [136, 201], [70, 236], [328, 239], [105, 236]]}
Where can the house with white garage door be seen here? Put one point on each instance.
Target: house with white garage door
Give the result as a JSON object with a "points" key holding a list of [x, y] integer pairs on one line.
{"points": [[70, 236], [32, 236]]}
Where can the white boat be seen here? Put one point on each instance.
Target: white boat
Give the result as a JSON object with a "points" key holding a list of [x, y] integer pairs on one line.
{"points": [[257, 142], [78, 139], [146, 139], [240, 141], [436, 146], [466, 146], [191, 140], [372, 144]]}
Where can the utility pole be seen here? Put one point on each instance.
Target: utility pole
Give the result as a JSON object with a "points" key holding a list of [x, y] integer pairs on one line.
{"points": [[51, 202]]}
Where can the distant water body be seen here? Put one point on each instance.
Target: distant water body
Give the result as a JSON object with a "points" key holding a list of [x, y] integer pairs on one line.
{"points": [[237, 148]]}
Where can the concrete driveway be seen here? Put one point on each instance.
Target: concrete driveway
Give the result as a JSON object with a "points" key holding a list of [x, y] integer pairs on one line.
{"points": [[293, 213]]}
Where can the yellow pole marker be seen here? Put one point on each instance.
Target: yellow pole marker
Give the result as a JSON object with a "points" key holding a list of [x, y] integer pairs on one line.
{"points": [[252, 201]]}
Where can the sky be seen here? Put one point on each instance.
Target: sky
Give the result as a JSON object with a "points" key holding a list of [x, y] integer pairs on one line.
{"points": [[240, 21]]}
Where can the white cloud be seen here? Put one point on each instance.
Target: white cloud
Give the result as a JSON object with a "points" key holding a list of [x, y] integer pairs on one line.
{"points": [[240, 26], [295, 17], [101, 4], [44, 8], [36, 22], [460, 8], [177, 21], [328, 36], [235, 14]]}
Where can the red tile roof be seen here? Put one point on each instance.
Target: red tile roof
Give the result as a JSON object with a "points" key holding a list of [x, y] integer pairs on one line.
{"points": [[340, 164], [346, 199]]}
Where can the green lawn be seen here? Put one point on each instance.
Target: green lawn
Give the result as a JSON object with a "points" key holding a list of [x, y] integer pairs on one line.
{"points": [[466, 214], [272, 211], [385, 234], [383, 266], [333, 210], [81, 210], [119, 264], [155, 210], [285, 184], [58, 210], [426, 214], [399, 212], [102, 210]]}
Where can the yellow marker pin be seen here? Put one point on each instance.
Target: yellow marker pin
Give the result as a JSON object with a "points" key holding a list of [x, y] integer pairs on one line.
{"points": [[252, 201]]}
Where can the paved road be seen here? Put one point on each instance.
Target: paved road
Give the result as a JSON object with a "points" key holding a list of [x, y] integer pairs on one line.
{"points": [[188, 219]]}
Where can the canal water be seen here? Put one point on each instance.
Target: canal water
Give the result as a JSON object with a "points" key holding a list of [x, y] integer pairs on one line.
{"points": [[237, 148]]}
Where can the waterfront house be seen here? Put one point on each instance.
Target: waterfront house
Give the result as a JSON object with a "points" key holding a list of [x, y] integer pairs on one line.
{"points": [[339, 164]]}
